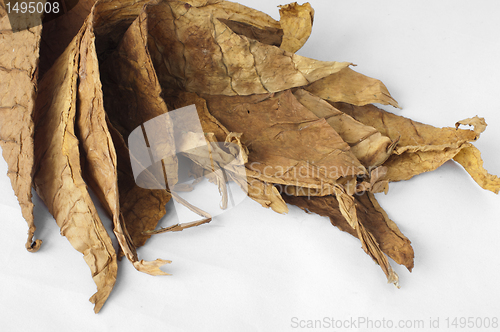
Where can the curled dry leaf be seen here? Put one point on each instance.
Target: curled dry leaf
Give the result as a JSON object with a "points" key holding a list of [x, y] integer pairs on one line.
{"points": [[470, 158], [412, 136], [296, 21], [141, 208], [57, 34], [421, 147], [18, 84], [264, 193], [478, 124]]}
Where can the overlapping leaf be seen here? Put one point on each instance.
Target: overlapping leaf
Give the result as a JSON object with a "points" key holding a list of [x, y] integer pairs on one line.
{"points": [[58, 177]]}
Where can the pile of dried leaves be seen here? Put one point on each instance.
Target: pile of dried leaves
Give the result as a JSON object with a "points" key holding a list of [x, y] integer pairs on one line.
{"points": [[73, 89]]}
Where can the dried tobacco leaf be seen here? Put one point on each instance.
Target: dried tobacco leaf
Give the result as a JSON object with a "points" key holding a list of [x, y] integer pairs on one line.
{"points": [[470, 158], [296, 21], [58, 178], [413, 136], [421, 147], [288, 144], [58, 33], [289, 34], [112, 18], [353, 88], [367, 143], [132, 97], [98, 149], [141, 208], [266, 35], [392, 242], [18, 83], [264, 193], [193, 50]]}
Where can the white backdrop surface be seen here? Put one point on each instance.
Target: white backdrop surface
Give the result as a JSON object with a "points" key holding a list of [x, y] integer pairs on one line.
{"points": [[251, 269]]}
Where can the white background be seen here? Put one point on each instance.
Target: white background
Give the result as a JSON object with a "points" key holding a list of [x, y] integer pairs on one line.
{"points": [[251, 269]]}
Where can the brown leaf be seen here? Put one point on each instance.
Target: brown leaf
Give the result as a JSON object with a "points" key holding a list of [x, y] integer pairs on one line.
{"points": [[408, 164], [58, 178], [98, 149], [141, 208], [370, 215], [288, 144], [267, 35], [367, 143], [208, 122], [248, 22], [296, 21], [353, 88], [112, 19], [58, 33], [470, 158], [193, 50], [18, 83], [131, 88], [413, 136], [263, 193], [267, 195], [421, 147], [132, 97], [478, 124]]}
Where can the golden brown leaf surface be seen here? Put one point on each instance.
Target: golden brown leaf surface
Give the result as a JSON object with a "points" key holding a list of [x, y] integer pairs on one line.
{"points": [[193, 50], [413, 136], [111, 21], [353, 88], [132, 97], [304, 124], [263, 193], [367, 143], [296, 21], [141, 208], [18, 82], [58, 33], [288, 144], [98, 149], [392, 242], [470, 158], [267, 35], [58, 177], [421, 147]]}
